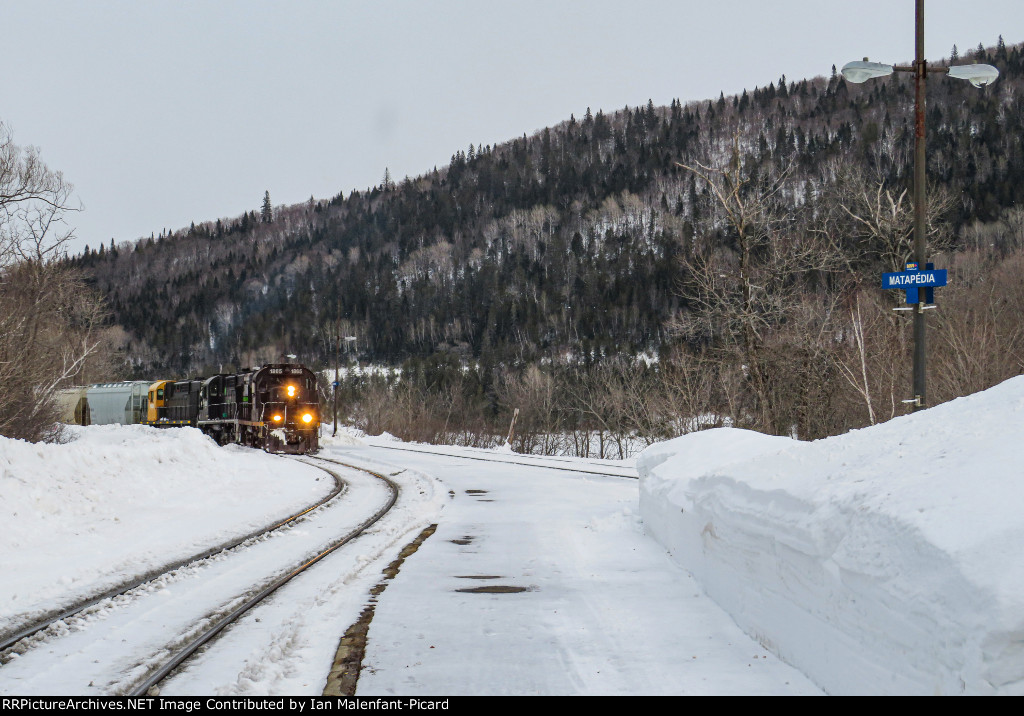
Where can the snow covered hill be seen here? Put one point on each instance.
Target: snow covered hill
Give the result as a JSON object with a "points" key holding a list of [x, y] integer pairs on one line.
{"points": [[883, 561]]}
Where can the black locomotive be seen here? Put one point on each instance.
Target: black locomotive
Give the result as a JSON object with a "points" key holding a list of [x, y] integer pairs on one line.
{"points": [[274, 407]]}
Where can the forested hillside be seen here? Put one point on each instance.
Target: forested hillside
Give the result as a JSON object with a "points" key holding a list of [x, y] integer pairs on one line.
{"points": [[739, 240]]}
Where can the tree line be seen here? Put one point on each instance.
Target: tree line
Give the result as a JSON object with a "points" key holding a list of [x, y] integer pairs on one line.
{"points": [[740, 238]]}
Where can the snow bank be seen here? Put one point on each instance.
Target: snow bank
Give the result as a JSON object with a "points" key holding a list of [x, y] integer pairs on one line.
{"points": [[883, 561], [81, 517]]}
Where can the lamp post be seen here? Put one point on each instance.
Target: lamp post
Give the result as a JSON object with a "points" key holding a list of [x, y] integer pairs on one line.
{"points": [[977, 75]]}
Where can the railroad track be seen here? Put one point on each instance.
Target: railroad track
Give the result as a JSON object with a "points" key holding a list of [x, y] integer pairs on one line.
{"points": [[187, 649], [143, 676], [165, 652], [525, 463], [28, 628]]}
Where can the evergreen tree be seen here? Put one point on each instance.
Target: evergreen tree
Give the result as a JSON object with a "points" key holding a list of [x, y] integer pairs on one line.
{"points": [[268, 210]]}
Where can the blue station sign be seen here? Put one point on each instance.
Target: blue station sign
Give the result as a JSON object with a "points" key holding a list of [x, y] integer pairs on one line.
{"points": [[914, 279]]}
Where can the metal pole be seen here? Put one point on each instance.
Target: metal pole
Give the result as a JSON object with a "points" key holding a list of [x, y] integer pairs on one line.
{"points": [[512, 427], [920, 209], [337, 380]]}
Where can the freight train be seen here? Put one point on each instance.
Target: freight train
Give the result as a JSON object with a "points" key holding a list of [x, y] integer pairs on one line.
{"points": [[274, 407]]}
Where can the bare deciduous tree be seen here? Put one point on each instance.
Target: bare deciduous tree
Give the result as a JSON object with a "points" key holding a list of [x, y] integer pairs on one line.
{"points": [[979, 339], [857, 373], [748, 277], [50, 321], [538, 428], [883, 218]]}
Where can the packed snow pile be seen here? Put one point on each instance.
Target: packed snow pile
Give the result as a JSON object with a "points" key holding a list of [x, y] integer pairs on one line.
{"points": [[883, 561], [117, 501]]}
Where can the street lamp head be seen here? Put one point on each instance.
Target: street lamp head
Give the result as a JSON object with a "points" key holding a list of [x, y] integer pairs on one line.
{"points": [[863, 70], [977, 75]]}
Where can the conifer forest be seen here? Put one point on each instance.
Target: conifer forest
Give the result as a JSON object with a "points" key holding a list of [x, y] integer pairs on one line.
{"points": [[622, 277]]}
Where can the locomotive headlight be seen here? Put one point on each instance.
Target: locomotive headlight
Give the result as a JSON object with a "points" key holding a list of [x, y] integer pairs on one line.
{"points": [[291, 391], [307, 418], [277, 418]]}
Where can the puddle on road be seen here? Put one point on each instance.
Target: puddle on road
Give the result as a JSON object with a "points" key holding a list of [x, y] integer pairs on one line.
{"points": [[468, 539], [476, 576], [496, 589]]}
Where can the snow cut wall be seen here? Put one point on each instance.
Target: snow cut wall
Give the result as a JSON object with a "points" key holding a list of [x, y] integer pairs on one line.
{"points": [[884, 561]]}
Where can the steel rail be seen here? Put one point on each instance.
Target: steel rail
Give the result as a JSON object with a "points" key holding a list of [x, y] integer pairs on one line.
{"points": [[193, 645], [52, 617], [507, 462]]}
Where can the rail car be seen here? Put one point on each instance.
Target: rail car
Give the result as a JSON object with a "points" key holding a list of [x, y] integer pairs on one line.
{"points": [[73, 404], [275, 407], [122, 403]]}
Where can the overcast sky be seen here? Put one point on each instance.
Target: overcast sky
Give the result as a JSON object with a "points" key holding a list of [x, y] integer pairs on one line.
{"points": [[163, 113]]}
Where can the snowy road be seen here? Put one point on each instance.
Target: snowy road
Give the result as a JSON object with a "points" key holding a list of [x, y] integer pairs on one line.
{"points": [[604, 610]]}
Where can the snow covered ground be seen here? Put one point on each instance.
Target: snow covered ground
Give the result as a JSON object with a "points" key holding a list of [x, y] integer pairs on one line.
{"points": [[81, 517], [882, 561], [602, 609]]}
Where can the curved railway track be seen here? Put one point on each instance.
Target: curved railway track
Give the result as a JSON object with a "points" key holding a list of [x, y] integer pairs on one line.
{"points": [[165, 658], [8, 640], [186, 650]]}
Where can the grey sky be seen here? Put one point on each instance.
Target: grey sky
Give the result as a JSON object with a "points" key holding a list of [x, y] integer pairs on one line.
{"points": [[162, 113]]}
